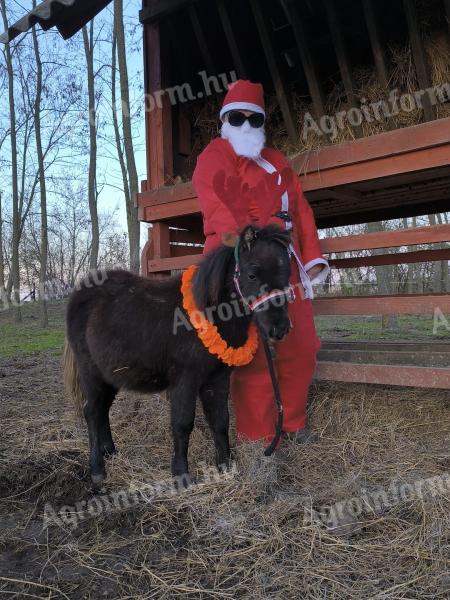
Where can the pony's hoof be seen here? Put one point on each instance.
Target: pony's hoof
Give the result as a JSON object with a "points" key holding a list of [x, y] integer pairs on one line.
{"points": [[183, 482], [97, 481]]}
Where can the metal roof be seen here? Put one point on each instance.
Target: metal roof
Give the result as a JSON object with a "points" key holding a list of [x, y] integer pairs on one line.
{"points": [[68, 16]]}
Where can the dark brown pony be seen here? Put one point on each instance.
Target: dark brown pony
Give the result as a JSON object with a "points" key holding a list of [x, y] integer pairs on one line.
{"points": [[131, 332]]}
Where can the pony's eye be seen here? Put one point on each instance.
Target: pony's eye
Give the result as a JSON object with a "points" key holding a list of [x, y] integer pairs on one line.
{"points": [[251, 276]]}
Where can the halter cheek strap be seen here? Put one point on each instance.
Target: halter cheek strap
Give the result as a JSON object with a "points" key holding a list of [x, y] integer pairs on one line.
{"points": [[259, 302]]}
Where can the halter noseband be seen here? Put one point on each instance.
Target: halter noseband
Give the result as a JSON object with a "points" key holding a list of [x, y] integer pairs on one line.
{"points": [[262, 300]]}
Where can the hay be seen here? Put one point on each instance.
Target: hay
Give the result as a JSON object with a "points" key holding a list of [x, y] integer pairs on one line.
{"points": [[249, 537], [402, 76]]}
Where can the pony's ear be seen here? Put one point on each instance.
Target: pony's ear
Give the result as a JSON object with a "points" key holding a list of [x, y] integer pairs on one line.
{"points": [[230, 239], [248, 236]]}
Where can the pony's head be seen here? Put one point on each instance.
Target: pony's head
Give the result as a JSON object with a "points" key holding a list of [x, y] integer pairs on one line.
{"points": [[256, 267]]}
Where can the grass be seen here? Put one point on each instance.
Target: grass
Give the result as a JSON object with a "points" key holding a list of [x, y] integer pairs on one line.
{"points": [[28, 337], [371, 328]]}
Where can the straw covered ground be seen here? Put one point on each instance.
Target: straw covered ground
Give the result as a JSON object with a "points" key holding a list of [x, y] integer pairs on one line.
{"points": [[256, 534]]}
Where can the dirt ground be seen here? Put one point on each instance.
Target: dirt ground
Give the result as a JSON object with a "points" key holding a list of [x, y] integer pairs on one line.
{"points": [[256, 534]]}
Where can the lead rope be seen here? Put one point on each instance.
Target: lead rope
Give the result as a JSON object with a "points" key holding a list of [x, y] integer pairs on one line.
{"points": [[276, 391]]}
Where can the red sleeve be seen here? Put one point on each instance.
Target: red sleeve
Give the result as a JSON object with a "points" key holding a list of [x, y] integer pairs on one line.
{"points": [[306, 227], [215, 181]]}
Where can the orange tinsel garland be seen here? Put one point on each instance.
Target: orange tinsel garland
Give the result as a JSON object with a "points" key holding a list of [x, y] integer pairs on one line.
{"points": [[209, 334]]}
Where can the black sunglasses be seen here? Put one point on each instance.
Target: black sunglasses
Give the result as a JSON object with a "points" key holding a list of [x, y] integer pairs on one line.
{"points": [[236, 118]]}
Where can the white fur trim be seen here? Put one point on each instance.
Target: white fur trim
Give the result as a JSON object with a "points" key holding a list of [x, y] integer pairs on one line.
{"points": [[320, 278], [241, 106]]}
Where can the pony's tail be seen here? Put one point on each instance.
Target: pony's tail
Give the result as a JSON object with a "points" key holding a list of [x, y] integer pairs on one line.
{"points": [[72, 379]]}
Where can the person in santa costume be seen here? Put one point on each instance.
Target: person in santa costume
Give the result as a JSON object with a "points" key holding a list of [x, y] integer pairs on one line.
{"points": [[240, 181]]}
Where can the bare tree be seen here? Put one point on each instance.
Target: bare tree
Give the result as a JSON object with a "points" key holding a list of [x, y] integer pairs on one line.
{"points": [[42, 182], [15, 267], [132, 184], [88, 39], [3, 298]]}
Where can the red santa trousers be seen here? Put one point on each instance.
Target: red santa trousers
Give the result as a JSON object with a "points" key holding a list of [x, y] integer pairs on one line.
{"points": [[251, 387]]}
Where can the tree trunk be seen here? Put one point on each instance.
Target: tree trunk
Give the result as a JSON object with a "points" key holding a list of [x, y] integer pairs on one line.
{"points": [[88, 39], [15, 266], [42, 182], [3, 297], [132, 213]]}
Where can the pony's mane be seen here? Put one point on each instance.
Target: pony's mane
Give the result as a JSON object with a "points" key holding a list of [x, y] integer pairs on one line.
{"points": [[211, 276]]}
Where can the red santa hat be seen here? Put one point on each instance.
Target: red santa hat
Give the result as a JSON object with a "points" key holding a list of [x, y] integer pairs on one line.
{"points": [[244, 95]]}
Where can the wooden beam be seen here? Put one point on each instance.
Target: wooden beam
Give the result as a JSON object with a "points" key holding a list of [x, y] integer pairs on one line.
{"points": [[158, 9], [231, 39], [399, 258], [341, 51], [375, 41], [345, 194], [447, 13], [387, 239], [201, 40], [163, 212], [383, 305], [173, 264], [160, 237], [420, 60], [157, 114], [384, 145], [423, 377], [306, 55], [279, 85]]}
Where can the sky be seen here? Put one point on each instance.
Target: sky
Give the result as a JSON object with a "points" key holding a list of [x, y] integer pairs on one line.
{"points": [[109, 175]]}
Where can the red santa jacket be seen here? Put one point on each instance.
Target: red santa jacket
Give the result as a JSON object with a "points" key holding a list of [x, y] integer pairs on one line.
{"points": [[234, 191]]}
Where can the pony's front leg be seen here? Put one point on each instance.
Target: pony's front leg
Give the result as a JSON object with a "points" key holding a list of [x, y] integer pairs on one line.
{"points": [[214, 397], [183, 397]]}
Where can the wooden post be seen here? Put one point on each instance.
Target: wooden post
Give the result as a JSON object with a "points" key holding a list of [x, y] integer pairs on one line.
{"points": [[341, 51], [275, 72], [158, 118], [201, 39], [306, 56], [375, 41], [447, 13], [231, 39], [420, 60]]}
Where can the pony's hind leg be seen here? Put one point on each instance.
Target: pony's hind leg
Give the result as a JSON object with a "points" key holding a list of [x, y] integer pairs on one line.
{"points": [[94, 413], [106, 441], [214, 397]]}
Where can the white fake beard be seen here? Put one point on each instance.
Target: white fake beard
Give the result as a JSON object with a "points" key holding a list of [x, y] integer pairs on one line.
{"points": [[246, 140]]}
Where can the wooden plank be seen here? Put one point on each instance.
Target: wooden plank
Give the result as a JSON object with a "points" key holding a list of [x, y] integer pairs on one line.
{"points": [[375, 42], [173, 264], [399, 258], [306, 56], [231, 40], [160, 238], [387, 239], [164, 212], [420, 59], [158, 9], [278, 83], [423, 377], [447, 13], [341, 51], [383, 305], [169, 193], [383, 167], [157, 114], [384, 145]]}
